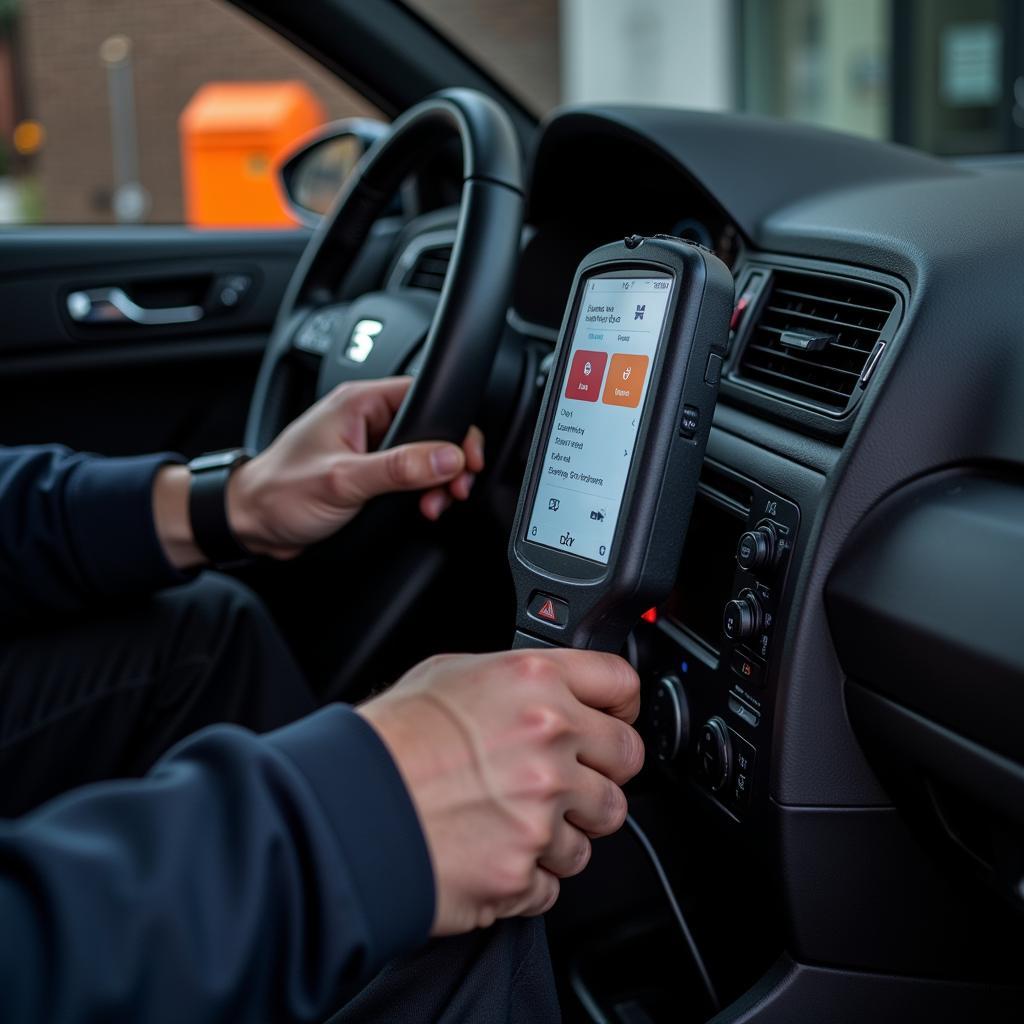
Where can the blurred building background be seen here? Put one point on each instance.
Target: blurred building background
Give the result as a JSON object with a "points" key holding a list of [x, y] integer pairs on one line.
{"points": [[89, 88], [176, 46]]}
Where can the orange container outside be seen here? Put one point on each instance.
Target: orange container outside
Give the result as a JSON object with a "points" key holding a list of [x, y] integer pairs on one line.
{"points": [[232, 137]]}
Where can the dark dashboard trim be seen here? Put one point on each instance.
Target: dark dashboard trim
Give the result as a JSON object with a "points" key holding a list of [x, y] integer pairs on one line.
{"points": [[794, 161]]}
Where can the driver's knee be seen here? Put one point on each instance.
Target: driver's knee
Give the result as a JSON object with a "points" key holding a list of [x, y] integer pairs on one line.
{"points": [[227, 659], [215, 612]]}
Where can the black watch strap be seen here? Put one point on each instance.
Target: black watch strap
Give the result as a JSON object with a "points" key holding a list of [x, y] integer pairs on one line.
{"points": [[207, 506]]}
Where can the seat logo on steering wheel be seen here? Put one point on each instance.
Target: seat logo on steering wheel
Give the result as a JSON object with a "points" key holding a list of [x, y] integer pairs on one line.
{"points": [[360, 345]]}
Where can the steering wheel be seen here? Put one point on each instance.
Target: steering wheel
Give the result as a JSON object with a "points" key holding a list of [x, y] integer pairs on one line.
{"points": [[378, 333]]}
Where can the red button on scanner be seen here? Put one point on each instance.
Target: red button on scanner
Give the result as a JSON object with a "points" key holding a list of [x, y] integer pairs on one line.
{"points": [[546, 608], [585, 375]]}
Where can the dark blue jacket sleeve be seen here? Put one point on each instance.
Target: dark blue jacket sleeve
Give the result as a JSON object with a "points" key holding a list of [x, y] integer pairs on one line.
{"points": [[75, 528], [245, 878]]}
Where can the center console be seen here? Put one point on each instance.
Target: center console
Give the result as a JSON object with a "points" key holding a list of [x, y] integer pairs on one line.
{"points": [[707, 651]]}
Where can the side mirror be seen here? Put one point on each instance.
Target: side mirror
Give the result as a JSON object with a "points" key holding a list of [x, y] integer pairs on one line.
{"points": [[313, 174]]}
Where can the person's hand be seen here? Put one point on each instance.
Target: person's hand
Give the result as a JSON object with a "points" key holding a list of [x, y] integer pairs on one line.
{"points": [[322, 469], [514, 762]]}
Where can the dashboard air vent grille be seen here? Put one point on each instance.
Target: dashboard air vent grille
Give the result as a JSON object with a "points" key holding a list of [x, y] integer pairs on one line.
{"points": [[814, 337], [429, 268]]}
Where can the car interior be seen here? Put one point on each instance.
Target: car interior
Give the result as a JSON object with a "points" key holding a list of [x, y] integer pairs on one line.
{"points": [[832, 807]]}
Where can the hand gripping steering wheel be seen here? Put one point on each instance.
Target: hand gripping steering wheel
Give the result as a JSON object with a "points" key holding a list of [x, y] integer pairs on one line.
{"points": [[377, 334]]}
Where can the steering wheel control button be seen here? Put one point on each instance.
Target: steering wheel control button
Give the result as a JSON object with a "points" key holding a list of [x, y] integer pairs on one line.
{"points": [[547, 609], [748, 668], [669, 718], [758, 548], [317, 332], [714, 753], [742, 619], [690, 422]]}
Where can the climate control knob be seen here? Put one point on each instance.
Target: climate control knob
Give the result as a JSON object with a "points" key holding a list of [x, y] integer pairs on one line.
{"points": [[758, 548], [742, 619], [669, 717], [714, 753]]}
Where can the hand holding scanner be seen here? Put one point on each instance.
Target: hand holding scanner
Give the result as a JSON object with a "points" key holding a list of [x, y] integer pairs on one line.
{"points": [[619, 444]]}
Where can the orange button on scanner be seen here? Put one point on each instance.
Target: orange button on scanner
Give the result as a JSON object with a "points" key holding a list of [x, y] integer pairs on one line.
{"points": [[625, 383]]}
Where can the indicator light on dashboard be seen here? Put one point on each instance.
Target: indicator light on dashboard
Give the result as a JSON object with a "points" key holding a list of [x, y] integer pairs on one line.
{"points": [[651, 615], [738, 311]]}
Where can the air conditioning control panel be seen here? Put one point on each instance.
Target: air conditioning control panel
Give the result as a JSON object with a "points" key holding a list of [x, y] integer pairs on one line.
{"points": [[720, 659]]}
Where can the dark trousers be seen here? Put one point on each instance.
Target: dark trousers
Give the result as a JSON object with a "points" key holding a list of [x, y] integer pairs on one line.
{"points": [[104, 695]]}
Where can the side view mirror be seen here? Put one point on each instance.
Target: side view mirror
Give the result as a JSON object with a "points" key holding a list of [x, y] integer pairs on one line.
{"points": [[313, 174]]}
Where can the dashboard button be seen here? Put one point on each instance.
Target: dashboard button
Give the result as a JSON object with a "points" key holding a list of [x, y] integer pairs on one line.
{"points": [[741, 787], [758, 548], [742, 617], [714, 753], [669, 717], [743, 712], [748, 668], [548, 609], [745, 755]]}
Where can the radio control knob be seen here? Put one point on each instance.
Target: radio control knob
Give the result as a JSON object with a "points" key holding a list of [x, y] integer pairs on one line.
{"points": [[742, 619], [758, 548], [714, 753]]}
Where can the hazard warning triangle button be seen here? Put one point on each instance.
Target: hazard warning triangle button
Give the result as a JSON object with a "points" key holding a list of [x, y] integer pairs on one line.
{"points": [[548, 609]]}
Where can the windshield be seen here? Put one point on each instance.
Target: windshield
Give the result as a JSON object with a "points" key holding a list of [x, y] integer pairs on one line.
{"points": [[941, 75]]}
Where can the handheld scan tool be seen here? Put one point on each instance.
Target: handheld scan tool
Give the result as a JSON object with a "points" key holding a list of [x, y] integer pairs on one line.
{"points": [[613, 469]]}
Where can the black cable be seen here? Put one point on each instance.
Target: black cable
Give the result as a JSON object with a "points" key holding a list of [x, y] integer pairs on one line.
{"points": [[677, 911]]}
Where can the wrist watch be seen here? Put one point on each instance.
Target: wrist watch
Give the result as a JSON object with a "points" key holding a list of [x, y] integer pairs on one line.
{"points": [[208, 509]]}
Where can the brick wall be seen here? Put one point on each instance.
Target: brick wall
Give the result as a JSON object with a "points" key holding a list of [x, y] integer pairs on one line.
{"points": [[516, 40], [177, 45]]}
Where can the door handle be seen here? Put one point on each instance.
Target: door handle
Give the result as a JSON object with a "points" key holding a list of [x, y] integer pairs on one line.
{"points": [[112, 306]]}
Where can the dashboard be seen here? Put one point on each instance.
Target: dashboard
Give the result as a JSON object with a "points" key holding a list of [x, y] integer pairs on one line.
{"points": [[794, 695]]}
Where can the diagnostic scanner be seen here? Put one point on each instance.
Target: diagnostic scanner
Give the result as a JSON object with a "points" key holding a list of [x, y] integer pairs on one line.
{"points": [[620, 440]]}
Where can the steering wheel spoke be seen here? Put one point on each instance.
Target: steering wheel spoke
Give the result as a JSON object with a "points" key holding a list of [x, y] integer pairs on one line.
{"points": [[374, 336]]}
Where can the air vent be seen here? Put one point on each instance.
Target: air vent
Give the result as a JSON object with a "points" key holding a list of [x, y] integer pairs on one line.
{"points": [[814, 337], [429, 268]]}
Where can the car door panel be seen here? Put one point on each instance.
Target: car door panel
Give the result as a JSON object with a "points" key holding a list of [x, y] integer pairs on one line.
{"points": [[182, 386]]}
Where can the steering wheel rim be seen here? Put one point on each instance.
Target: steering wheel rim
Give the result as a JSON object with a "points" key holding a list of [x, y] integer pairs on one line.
{"points": [[459, 337]]}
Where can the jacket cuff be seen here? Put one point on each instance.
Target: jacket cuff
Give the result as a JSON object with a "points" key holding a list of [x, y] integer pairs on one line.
{"points": [[374, 820], [110, 517]]}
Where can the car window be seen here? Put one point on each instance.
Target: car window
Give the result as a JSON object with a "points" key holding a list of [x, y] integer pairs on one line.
{"points": [[152, 111], [943, 75]]}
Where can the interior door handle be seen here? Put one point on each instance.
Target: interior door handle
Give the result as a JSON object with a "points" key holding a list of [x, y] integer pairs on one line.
{"points": [[112, 305]]}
